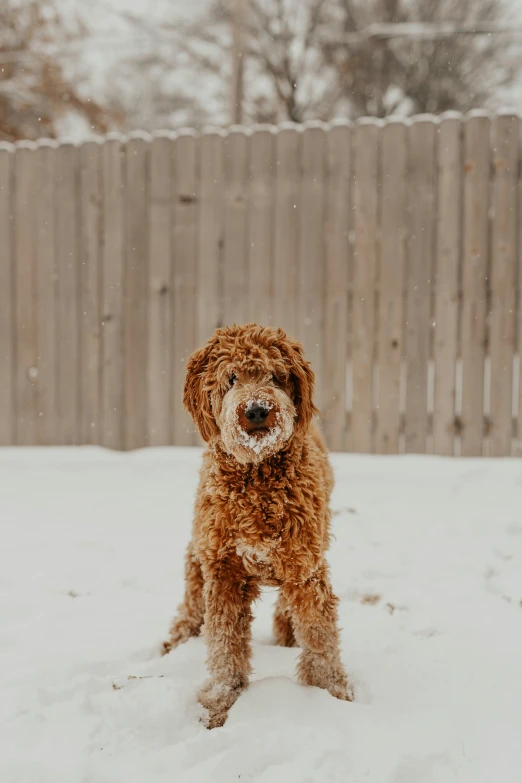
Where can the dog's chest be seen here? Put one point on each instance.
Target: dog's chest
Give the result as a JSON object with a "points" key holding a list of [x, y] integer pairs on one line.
{"points": [[259, 559], [254, 513], [257, 535]]}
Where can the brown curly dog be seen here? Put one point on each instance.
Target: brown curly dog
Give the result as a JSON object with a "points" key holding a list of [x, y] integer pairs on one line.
{"points": [[262, 513]]}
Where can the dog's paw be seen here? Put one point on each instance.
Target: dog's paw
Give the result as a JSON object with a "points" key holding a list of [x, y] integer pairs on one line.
{"points": [[320, 670], [213, 719], [341, 691], [216, 699]]}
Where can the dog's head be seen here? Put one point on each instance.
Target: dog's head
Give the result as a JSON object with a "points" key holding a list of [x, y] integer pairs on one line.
{"points": [[251, 387]]}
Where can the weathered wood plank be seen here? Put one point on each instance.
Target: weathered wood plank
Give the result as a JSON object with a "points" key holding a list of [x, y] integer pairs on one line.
{"points": [[447, 306], [46, 282], [235, 257], [391, 303], [474, 272], [90, 291], [338, 257], [365, 202], [135, 293], [67, 310], [260, 244], [160, 291], [311, 251], [7, 334], [209, 300], [186, 195], [286, 229], [506, 142], [112, 269], [26, 348], [420, 263]]}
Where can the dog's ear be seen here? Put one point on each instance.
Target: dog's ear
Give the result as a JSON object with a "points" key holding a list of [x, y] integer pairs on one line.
{"points": [[303, 381], [196, 397]]}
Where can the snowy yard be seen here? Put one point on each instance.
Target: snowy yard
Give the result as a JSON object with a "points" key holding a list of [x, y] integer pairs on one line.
{"points": [[427, 561]]}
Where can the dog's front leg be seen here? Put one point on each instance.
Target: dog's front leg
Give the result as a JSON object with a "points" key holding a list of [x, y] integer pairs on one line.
{"points": [[313, 607], [227, 628]]}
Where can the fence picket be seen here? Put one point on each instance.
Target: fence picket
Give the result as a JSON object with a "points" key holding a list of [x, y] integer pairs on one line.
{"points": [[112, 270], [186, 207], [420, 251], [286, 225], [503, 282], [7, 334], [26, 349], [338, 259], [474, 274], [311, 251], [90, 315], [160, 292], [235, 258], [209, 304], [46, 280], [447, 283], [135, 297], [260, 222], [67, 309], [390, 347], [365, 201]]}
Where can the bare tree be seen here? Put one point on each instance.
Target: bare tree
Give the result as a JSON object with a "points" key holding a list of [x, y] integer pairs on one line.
{"points": [[415, 74], [174, 75], [311, 58], [34, 92], [285, 73]]}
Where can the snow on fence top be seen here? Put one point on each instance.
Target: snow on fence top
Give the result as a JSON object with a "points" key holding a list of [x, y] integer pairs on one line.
{"points": [[123, 138]]}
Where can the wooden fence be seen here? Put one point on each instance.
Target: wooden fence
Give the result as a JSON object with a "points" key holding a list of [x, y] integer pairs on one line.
{"points": [[392, 250]]}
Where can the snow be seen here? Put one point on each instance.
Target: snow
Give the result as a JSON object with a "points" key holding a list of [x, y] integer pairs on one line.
{"points": [[426, 560]]}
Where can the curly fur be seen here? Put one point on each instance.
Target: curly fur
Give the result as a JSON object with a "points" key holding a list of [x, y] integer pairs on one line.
{"points": [[262, 514]]}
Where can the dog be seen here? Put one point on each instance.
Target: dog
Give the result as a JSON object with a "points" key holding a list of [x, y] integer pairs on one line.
{"points": [[262, 514]]}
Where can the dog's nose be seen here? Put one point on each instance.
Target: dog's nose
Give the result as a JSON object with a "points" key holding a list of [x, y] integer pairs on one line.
{"points": [[257, 414]]}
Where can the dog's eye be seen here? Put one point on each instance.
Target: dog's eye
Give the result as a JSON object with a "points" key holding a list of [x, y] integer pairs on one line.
{"points": [[275, 380], [232, 379]]}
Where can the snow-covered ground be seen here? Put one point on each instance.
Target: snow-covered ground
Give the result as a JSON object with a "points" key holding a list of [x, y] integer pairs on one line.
{"points": [[427, 561]]}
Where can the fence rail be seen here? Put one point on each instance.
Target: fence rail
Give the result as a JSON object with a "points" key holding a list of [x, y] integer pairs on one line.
{"points": [[393, 250]]}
